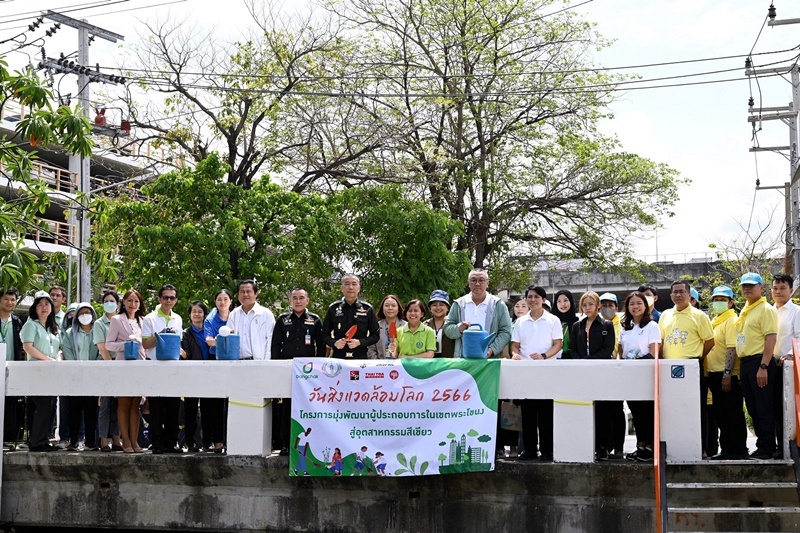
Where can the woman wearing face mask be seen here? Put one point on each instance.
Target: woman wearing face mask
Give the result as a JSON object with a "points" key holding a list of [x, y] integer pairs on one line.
{"points": [[107, 415], [640, 339], [122, 327], [722, 365], [389, 312], [592, 337], [40, 341], [78, 345], [565, 312]]}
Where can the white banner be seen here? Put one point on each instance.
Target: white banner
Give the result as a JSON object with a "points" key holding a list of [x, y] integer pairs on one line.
{"points": [[403, 417]]}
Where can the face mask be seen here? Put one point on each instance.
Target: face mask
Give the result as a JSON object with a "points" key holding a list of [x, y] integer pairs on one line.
{"points": [[719, 307], [85, 319], [110, 307], [650, 301], [607, 313]]}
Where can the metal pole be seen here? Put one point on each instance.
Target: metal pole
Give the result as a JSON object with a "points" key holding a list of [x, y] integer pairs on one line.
{"points": [[795, 219], [84, 270]]}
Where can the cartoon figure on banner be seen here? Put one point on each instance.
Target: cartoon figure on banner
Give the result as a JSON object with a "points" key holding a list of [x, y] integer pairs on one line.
{"points": [[361, 458], [380, 464], [303, 446], [336, 465]]}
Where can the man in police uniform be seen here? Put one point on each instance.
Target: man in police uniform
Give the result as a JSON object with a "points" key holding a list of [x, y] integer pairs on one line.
{"points": [[297, 333], [347, 312]]}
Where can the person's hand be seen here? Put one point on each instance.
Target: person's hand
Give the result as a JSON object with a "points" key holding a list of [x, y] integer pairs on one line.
{"points": [[726, 383], [537, 357], [340, 344], [761, 378], [489, 353], [392, 349], [353, 343], [516, 357], [183, 353], [462, 326]]}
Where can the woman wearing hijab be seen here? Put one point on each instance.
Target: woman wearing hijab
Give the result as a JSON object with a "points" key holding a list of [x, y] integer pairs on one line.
{"points": [[565, 312]]}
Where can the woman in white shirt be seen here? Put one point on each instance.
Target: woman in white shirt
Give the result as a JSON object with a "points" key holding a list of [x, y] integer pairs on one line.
{"points": [[639, 338]]}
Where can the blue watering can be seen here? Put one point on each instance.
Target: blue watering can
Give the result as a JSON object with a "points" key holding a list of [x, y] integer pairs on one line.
{"points": [[132, 349], [475, 342], [227, 347], [168, 346]]}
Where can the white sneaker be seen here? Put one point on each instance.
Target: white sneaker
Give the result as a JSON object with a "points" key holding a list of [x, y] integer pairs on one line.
{"points": [[62, 444]]}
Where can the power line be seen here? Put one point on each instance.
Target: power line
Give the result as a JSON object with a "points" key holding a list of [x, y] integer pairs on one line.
{"points": [[456, 76], [69, 10], [38, 11]]}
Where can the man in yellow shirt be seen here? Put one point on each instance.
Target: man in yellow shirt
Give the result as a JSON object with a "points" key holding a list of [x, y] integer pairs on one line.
{"points": [[687, 334], [757, 331]]}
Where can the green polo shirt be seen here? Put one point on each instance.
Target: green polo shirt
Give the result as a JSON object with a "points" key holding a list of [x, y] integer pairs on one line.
{"points": [[33, 331], [415, 342], [7, 337]]}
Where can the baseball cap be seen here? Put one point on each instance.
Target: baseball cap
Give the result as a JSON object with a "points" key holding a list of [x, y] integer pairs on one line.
{"points": [[609, 296], [722, 290], [751, 278], [439, 296]]}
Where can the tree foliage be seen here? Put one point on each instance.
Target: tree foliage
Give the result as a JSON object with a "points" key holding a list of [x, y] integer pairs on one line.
{"points": [[196, 230], [27, 197]]}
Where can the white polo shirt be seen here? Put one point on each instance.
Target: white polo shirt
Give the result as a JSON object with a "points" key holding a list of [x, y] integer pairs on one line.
{"points": [[537, 336], [476, 314], [788, 328]]}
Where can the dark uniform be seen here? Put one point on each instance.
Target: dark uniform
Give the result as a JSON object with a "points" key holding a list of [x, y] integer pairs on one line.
{"points": [[15, 405], [340, 317], [293, 336]]}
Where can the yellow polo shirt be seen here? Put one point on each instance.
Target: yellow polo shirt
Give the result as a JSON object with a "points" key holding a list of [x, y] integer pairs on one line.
{"points": [[761, 321], [724, 338], [684, 332]]}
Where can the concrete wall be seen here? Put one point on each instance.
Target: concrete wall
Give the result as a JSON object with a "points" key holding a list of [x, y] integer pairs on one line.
{"points": [[256, 494]]}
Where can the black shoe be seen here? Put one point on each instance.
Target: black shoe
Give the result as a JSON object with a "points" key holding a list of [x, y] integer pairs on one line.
{"points": [[761, 454], [44, 448], [106, 449], [601, 455], [158, 450], [633, 455], [72, 447], [778, 455], [644, 455], [546, 458], [173, 449], [284, 451], [525, 456], [115, 448], [195, 449]]}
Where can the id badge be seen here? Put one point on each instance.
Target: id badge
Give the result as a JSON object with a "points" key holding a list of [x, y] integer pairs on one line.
{"points": [[308, 339]]}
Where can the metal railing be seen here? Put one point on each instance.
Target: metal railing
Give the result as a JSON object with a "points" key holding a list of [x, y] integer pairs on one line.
{"points": [[58, 178], [659, 452], [57, 233]]}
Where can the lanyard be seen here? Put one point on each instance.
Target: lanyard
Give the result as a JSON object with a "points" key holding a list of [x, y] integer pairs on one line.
{"points": [[4, 330]]}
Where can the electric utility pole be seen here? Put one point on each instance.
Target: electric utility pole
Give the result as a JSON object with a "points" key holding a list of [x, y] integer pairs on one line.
{"points": [[79, 164], [789, 116]]}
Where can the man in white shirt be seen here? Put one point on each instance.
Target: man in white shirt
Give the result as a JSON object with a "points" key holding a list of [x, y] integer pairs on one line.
{"points": [[252, 322], [164, 412], [537, 336], [788, 330]]}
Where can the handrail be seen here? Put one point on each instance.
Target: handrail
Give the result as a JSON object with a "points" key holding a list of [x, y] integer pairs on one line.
{"points": [[796, 358], [658, 462]]}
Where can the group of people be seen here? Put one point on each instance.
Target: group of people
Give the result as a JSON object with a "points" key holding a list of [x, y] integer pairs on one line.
{"points": [[741, 355]]}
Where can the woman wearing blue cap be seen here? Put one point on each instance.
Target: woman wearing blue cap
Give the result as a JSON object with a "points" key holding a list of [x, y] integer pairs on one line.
{"points": [[439, 306], [723, 377]]}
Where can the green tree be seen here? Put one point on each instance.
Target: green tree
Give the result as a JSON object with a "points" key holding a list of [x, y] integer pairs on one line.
{"points": [[27, 197]]}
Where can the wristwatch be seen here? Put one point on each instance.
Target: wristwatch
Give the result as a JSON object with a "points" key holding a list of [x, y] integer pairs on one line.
{"points": [[763, 366], [727, 373]]}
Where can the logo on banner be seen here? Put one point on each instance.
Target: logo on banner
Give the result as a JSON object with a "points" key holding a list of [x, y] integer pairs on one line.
{"points": [[354, 375], [331, 368], [308, 367], [394, 374], [677, 371]]}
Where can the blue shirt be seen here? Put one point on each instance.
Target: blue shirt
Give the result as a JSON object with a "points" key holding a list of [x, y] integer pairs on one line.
{"points": [[211, 327], [199, 334]]}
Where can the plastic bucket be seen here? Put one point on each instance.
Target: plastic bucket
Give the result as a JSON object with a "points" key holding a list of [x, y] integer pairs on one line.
{"points": [[168, 346], [228, 348]]}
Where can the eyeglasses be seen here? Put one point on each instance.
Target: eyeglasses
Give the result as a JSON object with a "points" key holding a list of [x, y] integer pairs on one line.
{"points": [[679, 292], [169, 298], [478, 281]]}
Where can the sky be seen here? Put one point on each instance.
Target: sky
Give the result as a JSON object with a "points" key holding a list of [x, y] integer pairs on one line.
{"points": [[700, 130]]}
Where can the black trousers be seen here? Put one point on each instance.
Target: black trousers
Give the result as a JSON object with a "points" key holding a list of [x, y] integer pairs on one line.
{"points": [[281, 422], [14, 416], [602, 424], [729, 412], [164, 414], [618, 426], [777, 403], [760, 401], [83, 409], [40, 423], [210, 420], [537, 415], [643, 412]]}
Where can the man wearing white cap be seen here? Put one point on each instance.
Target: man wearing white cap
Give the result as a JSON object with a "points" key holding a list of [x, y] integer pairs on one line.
{"points": [[757, 332]]}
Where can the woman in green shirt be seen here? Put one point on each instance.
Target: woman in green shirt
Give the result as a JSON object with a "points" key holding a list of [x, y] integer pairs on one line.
{"points": [[78, 345], [40, 341], [414, 339]]}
